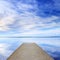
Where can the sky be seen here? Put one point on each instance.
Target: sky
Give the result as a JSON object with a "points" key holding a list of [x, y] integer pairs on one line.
{"points": [[22, 17], [29, 18]]}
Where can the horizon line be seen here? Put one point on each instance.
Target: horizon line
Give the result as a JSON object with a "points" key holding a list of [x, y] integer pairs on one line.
{"points": [[31, 37]]}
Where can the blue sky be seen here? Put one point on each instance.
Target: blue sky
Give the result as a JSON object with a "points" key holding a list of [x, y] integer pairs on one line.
{"points": [[22, 17], [29, 18]]}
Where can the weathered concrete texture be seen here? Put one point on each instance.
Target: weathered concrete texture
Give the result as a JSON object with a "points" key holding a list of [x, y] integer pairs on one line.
{"points": [[30, 51]]}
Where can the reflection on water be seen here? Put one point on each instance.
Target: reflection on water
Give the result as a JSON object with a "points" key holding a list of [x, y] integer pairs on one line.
{"points": [[50, 45]]}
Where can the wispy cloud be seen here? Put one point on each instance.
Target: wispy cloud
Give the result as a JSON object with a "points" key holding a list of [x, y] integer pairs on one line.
{"points": [[7, 15], [22, 17]]}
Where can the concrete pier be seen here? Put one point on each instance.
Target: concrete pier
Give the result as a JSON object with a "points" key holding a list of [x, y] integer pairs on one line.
{"points": [[30, 51]]}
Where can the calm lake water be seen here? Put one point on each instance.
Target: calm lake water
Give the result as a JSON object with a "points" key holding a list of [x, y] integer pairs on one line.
{"points": [[50, 45]]}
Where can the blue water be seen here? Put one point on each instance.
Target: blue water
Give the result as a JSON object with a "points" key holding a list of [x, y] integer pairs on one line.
{"points": [[50, 45]]}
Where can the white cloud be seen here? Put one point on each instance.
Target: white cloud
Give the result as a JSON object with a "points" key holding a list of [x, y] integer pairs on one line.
{"points": [[24, 7], [7, 15], [30, 21], [41, 33], [27, 22], [4, 22], [51, 32]]}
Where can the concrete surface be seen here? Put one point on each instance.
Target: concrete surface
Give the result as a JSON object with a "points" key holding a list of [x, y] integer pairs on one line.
{"points": [[30, 51]]}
